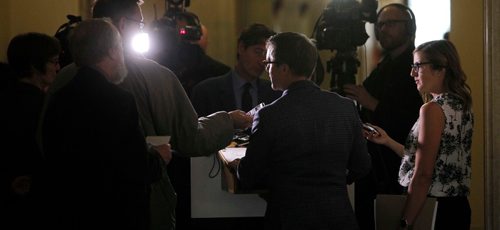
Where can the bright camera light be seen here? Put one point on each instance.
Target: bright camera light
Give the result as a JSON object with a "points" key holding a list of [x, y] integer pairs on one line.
{"points": [[140, 42]]}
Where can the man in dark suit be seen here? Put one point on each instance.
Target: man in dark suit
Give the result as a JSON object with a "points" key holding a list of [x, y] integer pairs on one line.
{"points": [[306, 146], [226, 91], [219, 94], [98, 171]]}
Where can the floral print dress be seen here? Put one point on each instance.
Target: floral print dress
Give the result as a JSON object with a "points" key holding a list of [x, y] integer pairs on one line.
{"points": [[452, 172]]}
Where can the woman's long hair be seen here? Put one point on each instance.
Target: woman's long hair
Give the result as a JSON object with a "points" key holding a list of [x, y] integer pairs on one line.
{"points": [[443, 54]]}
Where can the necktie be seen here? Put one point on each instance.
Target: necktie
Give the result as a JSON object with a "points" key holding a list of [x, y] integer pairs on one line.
{"points": [[246, 98]]}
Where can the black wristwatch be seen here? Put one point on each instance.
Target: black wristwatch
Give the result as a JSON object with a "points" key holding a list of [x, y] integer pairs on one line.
{"points": [[403, 224]]}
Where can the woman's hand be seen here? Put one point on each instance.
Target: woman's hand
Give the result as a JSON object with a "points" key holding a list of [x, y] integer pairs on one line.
{"points": [[378, 137]]}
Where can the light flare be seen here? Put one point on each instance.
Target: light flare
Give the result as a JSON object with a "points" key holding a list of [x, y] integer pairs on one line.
{"points": [[140, 42]]}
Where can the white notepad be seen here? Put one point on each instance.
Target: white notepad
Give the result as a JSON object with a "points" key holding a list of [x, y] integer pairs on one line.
{"points": [[389, 208], [231, 154]]}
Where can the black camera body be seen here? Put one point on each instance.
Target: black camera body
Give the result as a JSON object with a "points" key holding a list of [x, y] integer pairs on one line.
{"points": [[176, 29], [342, 24], [341, 27], [177, 5], [190, 33], [186, 25]]}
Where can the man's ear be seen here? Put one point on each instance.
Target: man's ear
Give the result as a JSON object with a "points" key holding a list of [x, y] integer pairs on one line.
{"points": [[241, 47], [121, 24], [284, 67], [114, 53]]}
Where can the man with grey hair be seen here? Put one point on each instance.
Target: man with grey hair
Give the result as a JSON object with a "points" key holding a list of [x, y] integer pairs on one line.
{"points": [[92, 142], [90, 52]]}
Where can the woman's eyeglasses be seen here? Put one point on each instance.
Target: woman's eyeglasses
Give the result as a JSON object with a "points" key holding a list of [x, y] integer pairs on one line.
{"points": [[416, 66]]}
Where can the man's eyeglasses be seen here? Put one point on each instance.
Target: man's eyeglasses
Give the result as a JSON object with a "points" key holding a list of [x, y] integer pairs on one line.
{"points": [[141, 23], [267, 63], [416, 66], [388, 23]]}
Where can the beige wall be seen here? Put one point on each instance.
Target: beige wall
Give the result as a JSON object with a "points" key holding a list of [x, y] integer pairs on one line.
{"points": [[4, 30], [492, 114], [43, 16], [467, 33]]}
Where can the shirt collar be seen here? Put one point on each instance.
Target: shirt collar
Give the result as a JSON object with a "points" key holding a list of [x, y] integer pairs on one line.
{"points": [[239, 82]]}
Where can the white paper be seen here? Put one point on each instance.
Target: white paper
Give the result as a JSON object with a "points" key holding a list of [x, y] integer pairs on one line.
{"points": [[158, 140], [231, 154]]}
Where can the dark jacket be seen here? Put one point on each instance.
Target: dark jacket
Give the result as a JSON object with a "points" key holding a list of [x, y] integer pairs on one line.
{"points": [[96, 159], [216, 94], [191, 64], [305, 147], [21, 104], [399, 102]]}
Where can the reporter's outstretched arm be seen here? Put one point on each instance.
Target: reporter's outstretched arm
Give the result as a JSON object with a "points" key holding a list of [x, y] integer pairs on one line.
{"points": [[382, 138], [241, 120]]}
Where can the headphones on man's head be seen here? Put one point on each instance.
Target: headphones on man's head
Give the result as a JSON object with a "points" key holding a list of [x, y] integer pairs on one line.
{"points": [[411, 25]]}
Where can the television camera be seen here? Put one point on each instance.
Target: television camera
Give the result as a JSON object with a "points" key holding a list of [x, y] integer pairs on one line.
{"points": [[341, 28], [180, 23], [176, 29]]}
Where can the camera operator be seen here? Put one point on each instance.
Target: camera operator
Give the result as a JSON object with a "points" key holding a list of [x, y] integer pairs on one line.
{"points": [[179, 48], [389, 99]]}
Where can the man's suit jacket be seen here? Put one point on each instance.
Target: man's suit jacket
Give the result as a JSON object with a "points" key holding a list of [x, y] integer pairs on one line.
{"points": [[305, 147], [96, 172], [217, 94]]}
